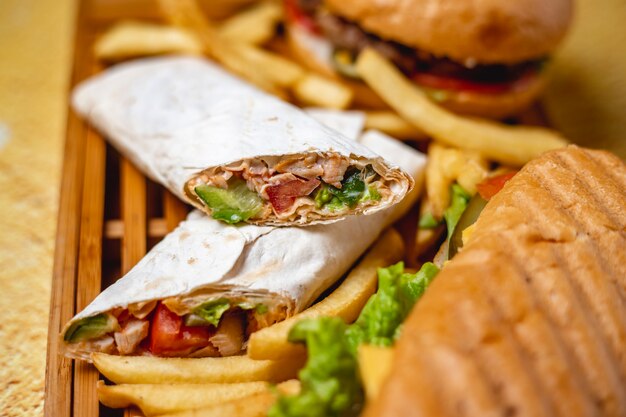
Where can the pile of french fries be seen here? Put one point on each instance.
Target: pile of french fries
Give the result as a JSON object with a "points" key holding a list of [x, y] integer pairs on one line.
{"points": [[463, 150]]}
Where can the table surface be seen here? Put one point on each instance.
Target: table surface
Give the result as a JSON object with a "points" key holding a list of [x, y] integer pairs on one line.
{"points": [[35, 59], [35, 63]]}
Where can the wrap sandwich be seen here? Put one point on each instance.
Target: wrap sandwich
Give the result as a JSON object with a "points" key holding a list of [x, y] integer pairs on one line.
{"points": [[231, 150], [206, 286]]}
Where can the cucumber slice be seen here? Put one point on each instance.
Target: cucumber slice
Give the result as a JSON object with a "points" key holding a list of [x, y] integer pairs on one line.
{"points": [[91, 328], [233, 205]]}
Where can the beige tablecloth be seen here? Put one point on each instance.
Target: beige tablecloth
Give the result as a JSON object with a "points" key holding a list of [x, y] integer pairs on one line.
{"points": [[35, 56]]}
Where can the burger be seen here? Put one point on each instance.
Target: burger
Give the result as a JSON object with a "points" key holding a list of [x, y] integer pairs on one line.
{"points": [[482, 58]]}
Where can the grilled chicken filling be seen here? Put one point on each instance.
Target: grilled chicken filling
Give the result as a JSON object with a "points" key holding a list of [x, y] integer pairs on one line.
{"points": [[214, 328], [290, 188]]}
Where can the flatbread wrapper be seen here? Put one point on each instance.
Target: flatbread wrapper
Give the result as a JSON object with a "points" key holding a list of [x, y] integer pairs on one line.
{"points": [[284, 269], [201, 132]]}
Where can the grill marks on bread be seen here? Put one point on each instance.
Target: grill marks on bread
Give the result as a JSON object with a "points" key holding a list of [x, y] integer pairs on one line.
{"points": [[530, 318]]}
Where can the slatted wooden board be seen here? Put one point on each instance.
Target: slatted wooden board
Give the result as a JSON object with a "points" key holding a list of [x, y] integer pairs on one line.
{"points": [[109, 216]]}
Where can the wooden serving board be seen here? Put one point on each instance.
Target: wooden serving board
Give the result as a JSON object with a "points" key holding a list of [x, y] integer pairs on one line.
{"points": [[109, 216]]}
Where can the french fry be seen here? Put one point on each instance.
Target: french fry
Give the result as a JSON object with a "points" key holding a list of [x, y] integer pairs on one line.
{"points": [[316, 90], [437, 181], [256, 405], [128, 39], [278, 70], [153, 370], [186, 14], [514, 145], [446, 165], [254, 26], [374, 366], [266, 70], [471, 172], [155, 399], [223, 9], [390, 123], [253, 406], [345, 302]]}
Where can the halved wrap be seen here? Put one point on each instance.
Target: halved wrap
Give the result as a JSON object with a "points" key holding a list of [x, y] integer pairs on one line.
{"points": [[205, 287], [231, 150]]}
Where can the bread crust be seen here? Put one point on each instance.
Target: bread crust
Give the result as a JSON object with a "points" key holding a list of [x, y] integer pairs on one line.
{"points": [[487, 31], [533, 310], [494, 106]]}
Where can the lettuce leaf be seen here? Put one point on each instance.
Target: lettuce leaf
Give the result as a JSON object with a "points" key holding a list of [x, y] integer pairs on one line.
{"points": [[352, 191], [385, 311], [330, 383], [212, 311], [460, 199]]}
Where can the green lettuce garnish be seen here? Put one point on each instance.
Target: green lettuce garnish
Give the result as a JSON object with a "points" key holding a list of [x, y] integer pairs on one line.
{"points": [[233, 205], [91, 328], [428, 221], [353, 190], [371, 194], [330, 383], [212, 311], [460, 199], [385, 311], [330, 386]]}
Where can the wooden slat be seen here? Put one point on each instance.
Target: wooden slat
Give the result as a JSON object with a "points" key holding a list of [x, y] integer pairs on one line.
{"points": [[58, 392], [175, 210], [90, 263], [133, 412], [157, 227], [58, 395], [133, 189]]}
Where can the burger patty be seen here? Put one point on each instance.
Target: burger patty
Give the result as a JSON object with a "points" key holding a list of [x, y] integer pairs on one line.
{"points": [[347, 35]]}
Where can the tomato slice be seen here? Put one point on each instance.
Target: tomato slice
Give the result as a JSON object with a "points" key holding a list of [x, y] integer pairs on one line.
{"points": [[170, 337], [491, 186], [294, 14], [282, 196]]}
